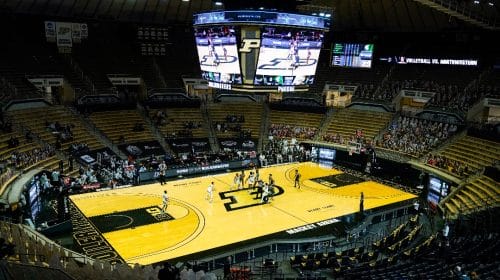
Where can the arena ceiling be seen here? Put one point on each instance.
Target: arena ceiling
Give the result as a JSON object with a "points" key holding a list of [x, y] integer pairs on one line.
{"points": [[380, 15]]}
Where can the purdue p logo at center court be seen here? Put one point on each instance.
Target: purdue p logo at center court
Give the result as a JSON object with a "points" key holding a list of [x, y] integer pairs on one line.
{"points": [[248, 44], [244, 198]]}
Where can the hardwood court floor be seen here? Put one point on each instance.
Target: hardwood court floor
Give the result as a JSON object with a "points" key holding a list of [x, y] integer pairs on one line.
{"points": [[194, 224]]}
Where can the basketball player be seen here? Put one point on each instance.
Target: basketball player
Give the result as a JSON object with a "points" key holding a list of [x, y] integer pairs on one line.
{"points": [[251, 180], [296, 57], [210, 192], [257, 176], [236, 182], [162, 169], [260, 189], [225, 53], [240, 182], [265, 193], [211, 48], [308, 55], [216, 58], [291, 50], [271, 180], [164, 201], [242, 178], [297, 179]]}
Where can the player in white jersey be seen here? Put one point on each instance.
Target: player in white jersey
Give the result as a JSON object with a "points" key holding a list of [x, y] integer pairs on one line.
{"points": [[291, 50], [266, 193], [251, 180], [236, 182], [210, 192], [164, 201]]}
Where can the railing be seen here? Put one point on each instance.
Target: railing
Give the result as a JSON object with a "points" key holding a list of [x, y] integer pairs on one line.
{"points": [[34, 250], [78, 70], [8, 85], [465, 11], [470, 208], [43, 76], [159, 73], [100, 135], [446, 110], [264, 127], [25, 271]]}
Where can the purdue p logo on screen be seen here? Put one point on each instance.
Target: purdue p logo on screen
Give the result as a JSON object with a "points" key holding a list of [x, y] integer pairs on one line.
{"points": [[249, 44]]}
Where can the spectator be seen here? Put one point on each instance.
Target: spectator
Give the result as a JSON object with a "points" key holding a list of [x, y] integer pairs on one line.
{"points": [[289, 131], [416, 136]]}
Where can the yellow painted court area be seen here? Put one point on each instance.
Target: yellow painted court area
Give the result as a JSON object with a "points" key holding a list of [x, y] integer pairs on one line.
{"points": [[199, 225]]}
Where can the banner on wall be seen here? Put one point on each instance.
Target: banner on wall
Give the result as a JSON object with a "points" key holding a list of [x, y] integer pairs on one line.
{"points": [[64, 34], [76, 33], [50, 31], [84, 31]]}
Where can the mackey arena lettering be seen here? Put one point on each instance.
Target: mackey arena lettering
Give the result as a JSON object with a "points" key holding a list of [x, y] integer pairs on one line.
{"points": [[90, 242]]}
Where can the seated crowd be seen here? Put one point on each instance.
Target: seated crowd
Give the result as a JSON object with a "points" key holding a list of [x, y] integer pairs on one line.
{"points": [[282, 150], [192, 125], [225, 127], [291, 131], [5, 174], [25, 159], [471, 95], [63, 133], [235, 118], [448, 164], [446, 94], [183, 133], [415, 136], [231, 123], [160, 118], [358, 137], [6, 126], [112, 172], [13, 142]]}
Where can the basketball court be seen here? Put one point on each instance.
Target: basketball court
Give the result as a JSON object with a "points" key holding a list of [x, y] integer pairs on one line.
{"points": [[130, 223]]}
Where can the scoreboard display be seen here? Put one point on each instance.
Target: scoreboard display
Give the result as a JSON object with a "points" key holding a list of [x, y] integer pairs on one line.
{"points": [[438, 189], [259, 51], [352, 55], [288, 57], [218, 54]]}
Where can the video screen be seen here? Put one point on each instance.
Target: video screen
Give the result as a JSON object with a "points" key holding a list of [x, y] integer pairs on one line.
{"points": [[352, 55], [221, 77], [438, 186], [433, 199], [218, 54], [288, 57], [325, 163], [435, 184], [328, 154]]}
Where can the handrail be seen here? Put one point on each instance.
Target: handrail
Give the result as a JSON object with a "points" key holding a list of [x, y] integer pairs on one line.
{"points": [[37, 236], [40, 267], [491, 22], [35, 76]]}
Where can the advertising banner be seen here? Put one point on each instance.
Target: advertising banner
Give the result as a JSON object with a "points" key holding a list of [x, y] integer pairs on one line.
{"points": [[50, 31], [64, 34], [84, 31], [76, 33]]}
